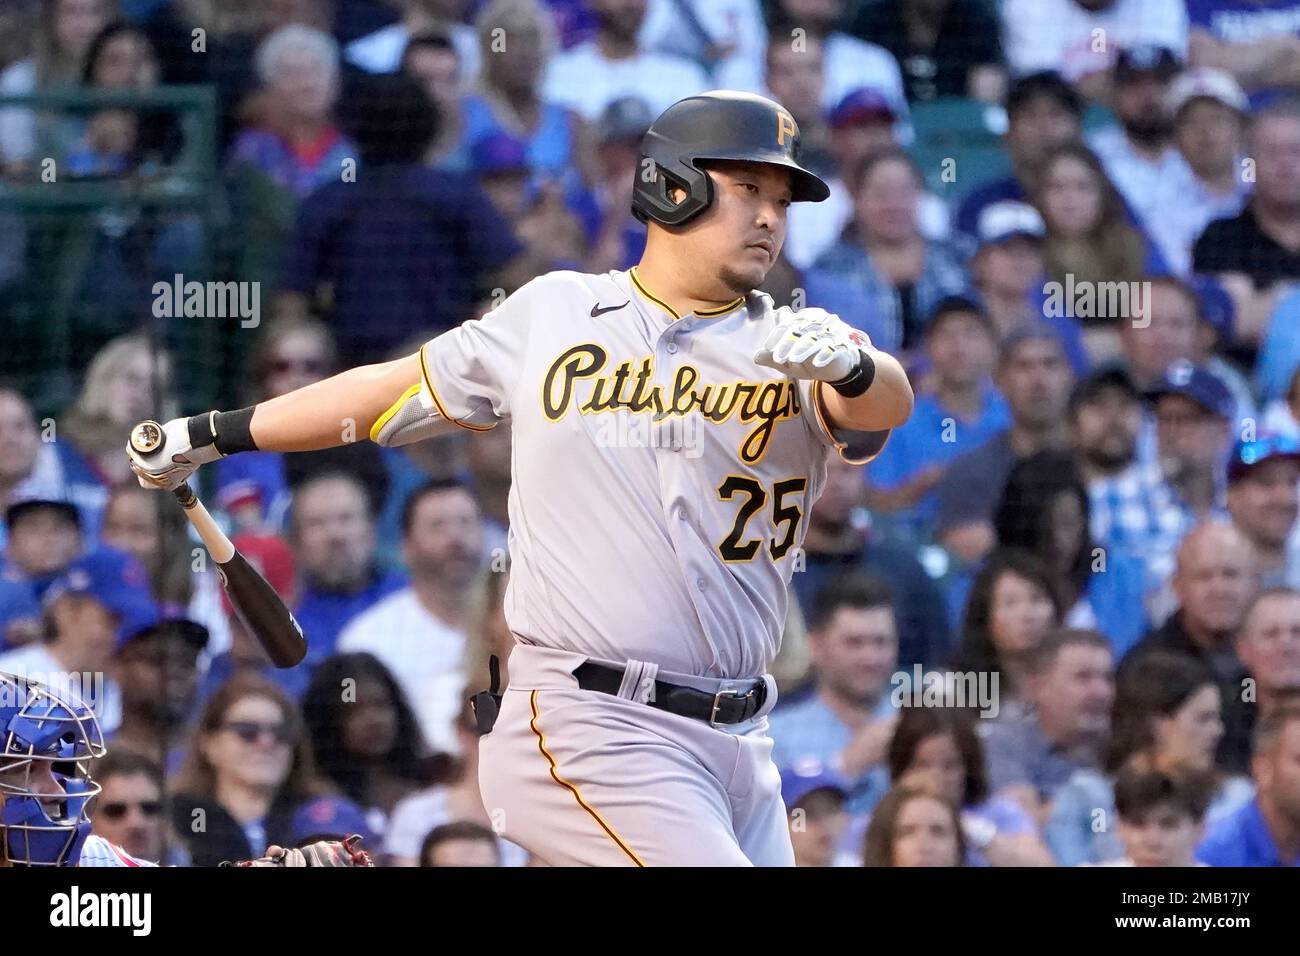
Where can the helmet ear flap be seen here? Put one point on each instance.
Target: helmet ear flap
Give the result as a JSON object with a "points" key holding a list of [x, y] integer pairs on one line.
{"points": [[651, 198]]}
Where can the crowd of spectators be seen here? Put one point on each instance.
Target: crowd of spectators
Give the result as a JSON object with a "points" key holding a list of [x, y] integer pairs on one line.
{"points": [[1092, 516]]}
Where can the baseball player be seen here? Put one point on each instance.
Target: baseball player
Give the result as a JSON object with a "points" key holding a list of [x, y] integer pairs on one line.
{"points": [[47, 743], [670, 431]]}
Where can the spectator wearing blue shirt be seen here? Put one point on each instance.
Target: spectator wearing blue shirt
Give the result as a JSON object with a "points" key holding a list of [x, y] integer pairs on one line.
{"points": [[1279, 353], [958, 412], [1266, 831], [333, 536], [620, 239], [1035, 379], [404, 248], [1008, 269], [839, 540], [1033, 755], [44, 538], [508, 96], [937, 749], [1130, 505], [848, 719], [1045, 510], [1043, 112], [883, 275]]}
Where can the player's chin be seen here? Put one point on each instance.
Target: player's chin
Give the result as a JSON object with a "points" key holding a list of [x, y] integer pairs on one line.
{"points": [[742, 276]]}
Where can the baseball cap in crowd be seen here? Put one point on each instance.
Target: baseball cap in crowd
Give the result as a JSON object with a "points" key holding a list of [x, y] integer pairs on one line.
{"points": [[806, 777], [1045, 83], [330, 818], [1146, 59], [15, 513], [179, 628], [499, 153], [1199, 385], [1101, 380], [1249, 455], [1008, 219], [625, 119], [859, 106], [1209, 84], [114, 579]]}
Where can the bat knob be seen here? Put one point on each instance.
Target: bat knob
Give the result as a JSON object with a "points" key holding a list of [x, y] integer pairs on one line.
{"points": [[146, 438]]}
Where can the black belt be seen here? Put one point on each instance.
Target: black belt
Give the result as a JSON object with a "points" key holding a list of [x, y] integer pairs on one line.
{"points": [[724, 707]]}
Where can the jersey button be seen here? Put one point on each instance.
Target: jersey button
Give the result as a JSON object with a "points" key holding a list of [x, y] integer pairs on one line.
{"points": [[672, 348], [701, 583], [688, 324]]}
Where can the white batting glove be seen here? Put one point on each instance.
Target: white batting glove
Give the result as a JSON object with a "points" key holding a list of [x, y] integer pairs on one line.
{"points": [[175, 459], [813, 344]]}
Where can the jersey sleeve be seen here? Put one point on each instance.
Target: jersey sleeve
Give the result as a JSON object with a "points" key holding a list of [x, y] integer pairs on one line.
{"points": [[468, 374], [855, 447]]}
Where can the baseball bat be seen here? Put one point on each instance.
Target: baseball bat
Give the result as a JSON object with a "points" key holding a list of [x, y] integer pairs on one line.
{"points": [[255, 602]]}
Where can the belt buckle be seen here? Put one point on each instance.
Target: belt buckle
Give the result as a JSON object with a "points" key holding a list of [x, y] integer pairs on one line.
{"points": [[717, 703]]}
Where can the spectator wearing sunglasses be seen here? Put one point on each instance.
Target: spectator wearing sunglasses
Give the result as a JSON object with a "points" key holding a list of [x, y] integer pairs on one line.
{"points": [[1264, 501], [256, 488], [248, 770], [128, 810]]}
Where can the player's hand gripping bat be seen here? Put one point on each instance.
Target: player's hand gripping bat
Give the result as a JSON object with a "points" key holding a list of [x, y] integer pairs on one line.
{"points": [[255, 601]]}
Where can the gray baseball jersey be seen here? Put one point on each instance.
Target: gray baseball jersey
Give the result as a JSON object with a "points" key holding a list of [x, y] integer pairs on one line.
{"points": [[660, 478]]}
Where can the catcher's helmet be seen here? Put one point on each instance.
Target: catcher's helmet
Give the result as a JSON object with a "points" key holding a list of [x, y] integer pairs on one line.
{"points": [[722, 124], [44, 825]]}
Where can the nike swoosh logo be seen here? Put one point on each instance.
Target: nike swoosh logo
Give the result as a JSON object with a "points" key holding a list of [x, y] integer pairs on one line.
{"points": [[597, 310]]}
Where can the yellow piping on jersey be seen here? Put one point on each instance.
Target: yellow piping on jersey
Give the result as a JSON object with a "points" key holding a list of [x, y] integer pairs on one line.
{"points": [[428, 384], [555, 775], [392, 410], [821, 420], [703, 313]]}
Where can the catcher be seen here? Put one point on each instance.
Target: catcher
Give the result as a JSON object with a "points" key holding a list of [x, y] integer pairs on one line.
{"points": [[46, 745]]}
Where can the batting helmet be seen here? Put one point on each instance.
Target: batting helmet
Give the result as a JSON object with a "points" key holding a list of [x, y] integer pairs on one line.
{"points": [[718, 125]]}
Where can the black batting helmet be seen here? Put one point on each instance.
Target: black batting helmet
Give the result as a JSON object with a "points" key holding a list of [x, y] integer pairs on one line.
{"points": [[722, 124]]}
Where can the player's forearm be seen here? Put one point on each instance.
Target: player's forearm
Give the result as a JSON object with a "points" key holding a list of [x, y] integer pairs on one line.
{"points": [[886, 404], [334, 411]]}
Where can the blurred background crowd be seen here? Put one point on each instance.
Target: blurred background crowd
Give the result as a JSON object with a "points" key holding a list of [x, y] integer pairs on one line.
{"points": [[1076, 221]]}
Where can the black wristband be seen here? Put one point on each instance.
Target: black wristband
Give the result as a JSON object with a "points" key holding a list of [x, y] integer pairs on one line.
{"points": [[233, 431], [859, 380]]}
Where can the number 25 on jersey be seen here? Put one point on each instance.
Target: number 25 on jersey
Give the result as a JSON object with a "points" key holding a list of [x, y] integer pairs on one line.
{"points": [[787, 512]]}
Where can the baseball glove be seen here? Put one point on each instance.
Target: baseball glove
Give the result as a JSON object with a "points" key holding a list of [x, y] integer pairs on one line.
{"points": [[324, 853]]}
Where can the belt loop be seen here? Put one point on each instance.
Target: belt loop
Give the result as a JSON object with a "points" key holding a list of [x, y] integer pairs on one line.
{"points": [[638, 681]]}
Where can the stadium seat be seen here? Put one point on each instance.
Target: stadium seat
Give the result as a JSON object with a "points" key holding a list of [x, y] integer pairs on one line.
{"points": [[966, 131]]}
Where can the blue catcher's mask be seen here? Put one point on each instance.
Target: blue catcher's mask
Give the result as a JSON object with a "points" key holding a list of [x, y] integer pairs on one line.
{"points": [[46, 745]]}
